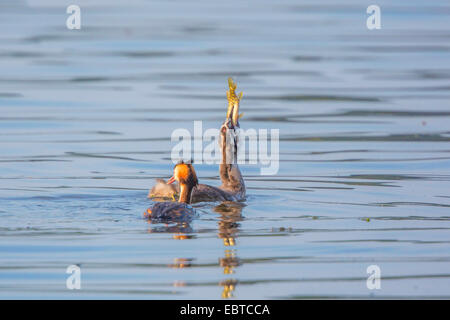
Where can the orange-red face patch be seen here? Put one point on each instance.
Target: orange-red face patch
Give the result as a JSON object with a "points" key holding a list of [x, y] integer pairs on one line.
{"points": [[181, 172]]}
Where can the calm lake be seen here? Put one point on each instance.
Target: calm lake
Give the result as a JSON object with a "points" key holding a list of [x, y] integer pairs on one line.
{"points": [[86, 118]]}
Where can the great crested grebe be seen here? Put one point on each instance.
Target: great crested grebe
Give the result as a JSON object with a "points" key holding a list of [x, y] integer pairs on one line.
{"points": [[233, 186], [184, 173]]}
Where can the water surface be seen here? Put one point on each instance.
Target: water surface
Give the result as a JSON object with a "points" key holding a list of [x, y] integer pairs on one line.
{"points": [[85, 123]]}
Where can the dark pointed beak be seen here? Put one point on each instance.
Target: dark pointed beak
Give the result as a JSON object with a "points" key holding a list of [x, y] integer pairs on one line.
{"points": [[171, 180], [229, 121], [230, 124]]}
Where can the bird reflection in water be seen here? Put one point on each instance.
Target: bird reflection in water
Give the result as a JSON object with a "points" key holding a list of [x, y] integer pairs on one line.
{"points": [[181, 263], [179, 230], [228, 227]]}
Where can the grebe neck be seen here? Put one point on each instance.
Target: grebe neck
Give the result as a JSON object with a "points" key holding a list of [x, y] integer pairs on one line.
{"points": [[185, 193]]}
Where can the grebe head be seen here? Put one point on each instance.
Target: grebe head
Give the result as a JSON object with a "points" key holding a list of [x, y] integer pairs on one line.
{"points": [[185, 174]]}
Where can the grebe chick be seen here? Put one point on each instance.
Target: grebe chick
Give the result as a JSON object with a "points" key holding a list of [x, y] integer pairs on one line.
{"points": [[181, 210], [163, 190]]}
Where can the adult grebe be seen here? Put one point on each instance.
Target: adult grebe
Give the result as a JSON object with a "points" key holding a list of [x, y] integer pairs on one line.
{"points": [[233, 186], [176, 211], [232, 180]]}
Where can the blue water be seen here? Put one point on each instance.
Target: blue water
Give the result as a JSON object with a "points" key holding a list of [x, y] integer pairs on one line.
{"points": [[85, 123]]}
